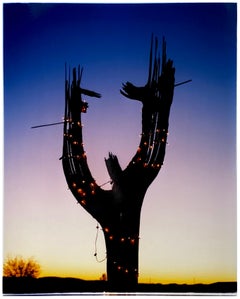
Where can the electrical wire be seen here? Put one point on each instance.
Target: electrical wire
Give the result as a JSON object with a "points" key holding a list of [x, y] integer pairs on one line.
{"points": [[95, 245]]}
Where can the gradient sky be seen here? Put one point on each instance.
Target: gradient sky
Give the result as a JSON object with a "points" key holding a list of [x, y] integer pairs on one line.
{"points": [[188, 222]]}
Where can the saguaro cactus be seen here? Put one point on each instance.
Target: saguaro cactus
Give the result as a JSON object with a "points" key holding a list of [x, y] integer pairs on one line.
{"points": [[118, 210]]}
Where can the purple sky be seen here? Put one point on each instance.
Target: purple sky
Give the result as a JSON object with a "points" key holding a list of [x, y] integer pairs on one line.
{"points": [[188, 225]]}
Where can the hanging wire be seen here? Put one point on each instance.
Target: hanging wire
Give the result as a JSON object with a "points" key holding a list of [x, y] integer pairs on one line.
{"points": [[108, 182], [95, 244]]}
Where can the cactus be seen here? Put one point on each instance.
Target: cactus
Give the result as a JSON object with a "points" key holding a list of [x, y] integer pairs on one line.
{"points": [[118, 210]]}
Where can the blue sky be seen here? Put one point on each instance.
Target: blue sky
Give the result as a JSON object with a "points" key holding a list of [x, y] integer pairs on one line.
{"points": [[188, 225]]}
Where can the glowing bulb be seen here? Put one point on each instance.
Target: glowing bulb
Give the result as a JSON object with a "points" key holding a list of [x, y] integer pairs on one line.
{"points": [[83, 202], [80, 191], [132, 241], [106, 229], [74, 185], [111, 238], [122, 239]]}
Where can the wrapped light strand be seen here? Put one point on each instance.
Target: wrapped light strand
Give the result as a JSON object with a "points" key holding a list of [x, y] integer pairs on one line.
{"points": [[123, 239], [124, 269]]}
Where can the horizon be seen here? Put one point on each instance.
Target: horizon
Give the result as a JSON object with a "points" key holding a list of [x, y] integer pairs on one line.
{"points": [[188, 228]]}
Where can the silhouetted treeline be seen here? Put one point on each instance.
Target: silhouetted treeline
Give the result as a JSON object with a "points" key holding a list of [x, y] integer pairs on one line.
{"points": [[47, 285]]}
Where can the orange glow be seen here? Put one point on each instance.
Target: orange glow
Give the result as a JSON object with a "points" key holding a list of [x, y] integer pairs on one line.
{"points": [[80, 191], [83, 202]]}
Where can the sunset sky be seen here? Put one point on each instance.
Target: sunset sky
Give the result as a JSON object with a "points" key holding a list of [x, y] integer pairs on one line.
{"points": [[188, 222]]}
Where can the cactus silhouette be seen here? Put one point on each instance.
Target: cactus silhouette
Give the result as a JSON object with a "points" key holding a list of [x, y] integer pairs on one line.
{"points": [[118, 210]]}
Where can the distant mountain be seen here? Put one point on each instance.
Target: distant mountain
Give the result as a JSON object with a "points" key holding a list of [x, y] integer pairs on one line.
{"points": [[50, 285]]}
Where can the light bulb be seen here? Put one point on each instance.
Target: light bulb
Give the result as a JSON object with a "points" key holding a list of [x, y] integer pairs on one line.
{"points": [[80, 191]]}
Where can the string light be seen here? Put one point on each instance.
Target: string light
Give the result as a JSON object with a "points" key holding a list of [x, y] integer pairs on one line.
{"points": [[150, 148], [125, 269]]}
